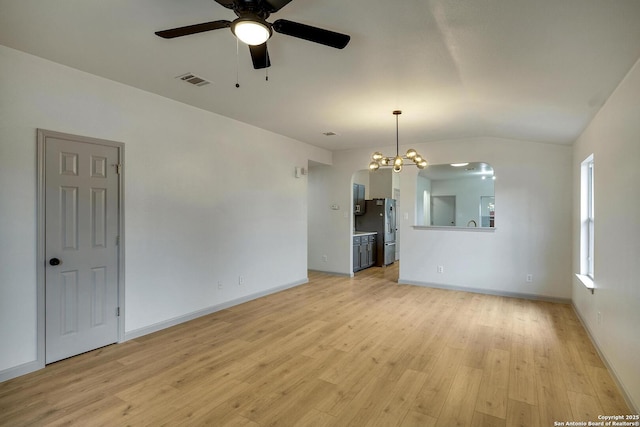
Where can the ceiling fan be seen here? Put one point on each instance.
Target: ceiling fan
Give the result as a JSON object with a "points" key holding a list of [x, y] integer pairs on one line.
{"points": [[252, 28]]}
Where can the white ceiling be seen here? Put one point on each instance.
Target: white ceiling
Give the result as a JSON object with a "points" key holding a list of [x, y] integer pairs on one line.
{"points": [[523, 69]]}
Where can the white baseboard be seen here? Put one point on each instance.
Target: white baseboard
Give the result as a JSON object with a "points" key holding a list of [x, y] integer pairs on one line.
{"points": [[136, 333], [486, 291], [17, 371], [625, 394]]}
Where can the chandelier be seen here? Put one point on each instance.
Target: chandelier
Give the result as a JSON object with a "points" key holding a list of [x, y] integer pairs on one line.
{"points": [[397, 162]]}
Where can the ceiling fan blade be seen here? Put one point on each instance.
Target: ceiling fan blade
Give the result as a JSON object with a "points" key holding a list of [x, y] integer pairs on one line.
{"points": [[226, 3], [260, 56], [193, 29], [313, 34], [272, 6]]}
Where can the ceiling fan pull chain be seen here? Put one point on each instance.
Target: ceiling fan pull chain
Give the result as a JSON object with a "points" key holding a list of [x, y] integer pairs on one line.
{"points": [[266, 65], [237, 63]]}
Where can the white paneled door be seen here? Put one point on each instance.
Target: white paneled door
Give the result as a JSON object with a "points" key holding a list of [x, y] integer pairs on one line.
{"points": [[443, 210], [81, 247]]}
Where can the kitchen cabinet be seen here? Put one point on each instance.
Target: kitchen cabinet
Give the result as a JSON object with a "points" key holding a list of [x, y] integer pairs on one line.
{"points": [[371, 250], [358, 199], [356, 254], [364, 251]]}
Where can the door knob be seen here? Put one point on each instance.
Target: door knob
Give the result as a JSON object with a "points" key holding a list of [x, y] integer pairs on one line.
{"points": [[54, 261]]}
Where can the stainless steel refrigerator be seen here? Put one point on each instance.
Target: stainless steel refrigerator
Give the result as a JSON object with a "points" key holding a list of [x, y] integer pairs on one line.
{"points": [[380, 216]]}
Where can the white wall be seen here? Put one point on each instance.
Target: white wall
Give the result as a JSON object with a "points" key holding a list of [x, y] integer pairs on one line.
{"points": [[613, 137], [201, 207], [381, 183], [533, 220], [329, 230], [532, 236]]}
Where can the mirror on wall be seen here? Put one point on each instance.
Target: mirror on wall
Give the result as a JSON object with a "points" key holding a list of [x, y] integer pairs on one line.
{"points": [[456, 195]]}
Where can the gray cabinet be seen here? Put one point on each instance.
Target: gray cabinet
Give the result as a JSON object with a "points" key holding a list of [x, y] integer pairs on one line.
{"points": [[358, 199], [371, 250], [364, 252], [356, 254]]}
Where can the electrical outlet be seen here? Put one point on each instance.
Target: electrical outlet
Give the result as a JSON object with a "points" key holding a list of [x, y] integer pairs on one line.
{"points": [[240, 280], [599, 315], [441, 269], [324, 258], [219, 284], [529, 277]]}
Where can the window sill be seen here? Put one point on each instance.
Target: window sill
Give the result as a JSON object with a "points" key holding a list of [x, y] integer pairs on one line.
{"points": [[587, 282], [452, 228]]}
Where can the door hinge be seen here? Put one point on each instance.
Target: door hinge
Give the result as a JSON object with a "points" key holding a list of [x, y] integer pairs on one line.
{"points": [[117, 311]]}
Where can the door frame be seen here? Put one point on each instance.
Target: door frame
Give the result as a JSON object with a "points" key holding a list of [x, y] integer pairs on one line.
{"points": [[42, 136]]}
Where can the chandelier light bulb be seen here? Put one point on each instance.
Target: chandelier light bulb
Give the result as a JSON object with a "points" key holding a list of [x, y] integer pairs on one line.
{"points": [[374, 166], [397, 168], [398, 161], [377, 156], [411, 153]]}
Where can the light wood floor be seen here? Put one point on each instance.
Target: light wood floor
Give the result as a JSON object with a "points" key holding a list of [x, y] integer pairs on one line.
{"points": [[337, 351]]}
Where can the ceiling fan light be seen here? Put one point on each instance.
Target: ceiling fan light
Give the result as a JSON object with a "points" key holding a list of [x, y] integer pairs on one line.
{"points": [[250, 31]]}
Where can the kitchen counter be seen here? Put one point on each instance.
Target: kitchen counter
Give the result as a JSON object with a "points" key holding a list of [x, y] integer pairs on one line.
{"points": [[364, 233]]}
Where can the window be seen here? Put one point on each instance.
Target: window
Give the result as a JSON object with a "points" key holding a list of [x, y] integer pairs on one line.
{"points": [[589, 219], [587, 223]]}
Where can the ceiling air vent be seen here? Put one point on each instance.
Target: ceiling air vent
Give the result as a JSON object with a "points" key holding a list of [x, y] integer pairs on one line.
{"points": [[193, 79]]}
